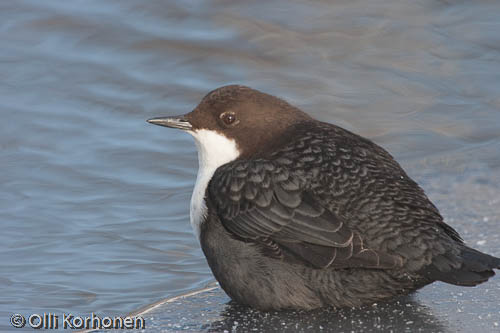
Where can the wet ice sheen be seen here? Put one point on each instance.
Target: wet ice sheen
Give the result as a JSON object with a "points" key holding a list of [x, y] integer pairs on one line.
{"points": [[94, 201]]}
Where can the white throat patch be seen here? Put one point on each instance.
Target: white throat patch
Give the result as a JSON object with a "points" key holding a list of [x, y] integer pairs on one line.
{"points": [[214, 150]]}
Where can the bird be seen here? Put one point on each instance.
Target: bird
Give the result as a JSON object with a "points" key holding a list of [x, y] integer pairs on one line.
{"points": [[295, 213]]}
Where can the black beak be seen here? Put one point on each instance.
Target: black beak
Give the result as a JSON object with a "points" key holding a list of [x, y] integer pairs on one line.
{"points": [[179, 122]]}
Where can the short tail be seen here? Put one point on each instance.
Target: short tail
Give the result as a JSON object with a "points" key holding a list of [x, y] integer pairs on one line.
{"points": [[471, 268]]}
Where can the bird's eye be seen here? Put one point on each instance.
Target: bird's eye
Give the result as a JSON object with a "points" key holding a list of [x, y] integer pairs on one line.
{"points": [[229, 118]]}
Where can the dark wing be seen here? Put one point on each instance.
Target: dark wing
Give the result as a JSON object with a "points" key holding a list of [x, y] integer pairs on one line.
{"points": [[262, 202]]}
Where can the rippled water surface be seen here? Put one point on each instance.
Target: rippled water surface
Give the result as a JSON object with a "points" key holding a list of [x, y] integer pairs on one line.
{"points": [[94, 201]]}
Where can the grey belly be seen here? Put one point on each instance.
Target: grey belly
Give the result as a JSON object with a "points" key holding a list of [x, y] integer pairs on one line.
{"points": [[251, 278]]}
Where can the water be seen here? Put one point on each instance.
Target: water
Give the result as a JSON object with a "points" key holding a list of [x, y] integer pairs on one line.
{"points": [[94, 201]]}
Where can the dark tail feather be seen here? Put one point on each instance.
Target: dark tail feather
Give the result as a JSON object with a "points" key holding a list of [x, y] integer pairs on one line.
{"points": [[473, 268]]}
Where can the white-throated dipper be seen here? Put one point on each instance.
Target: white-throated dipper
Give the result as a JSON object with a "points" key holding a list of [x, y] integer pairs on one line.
{"points": [[296, 213]]}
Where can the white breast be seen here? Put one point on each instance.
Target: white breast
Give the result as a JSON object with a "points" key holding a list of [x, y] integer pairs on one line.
{"points": [[214, 150]]}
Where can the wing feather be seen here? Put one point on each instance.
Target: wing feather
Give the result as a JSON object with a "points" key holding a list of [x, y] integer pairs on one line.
{"points": [[271, 206]]}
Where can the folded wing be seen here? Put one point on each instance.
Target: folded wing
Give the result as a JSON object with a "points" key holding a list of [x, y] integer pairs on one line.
{"points": [[263, 202]]}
